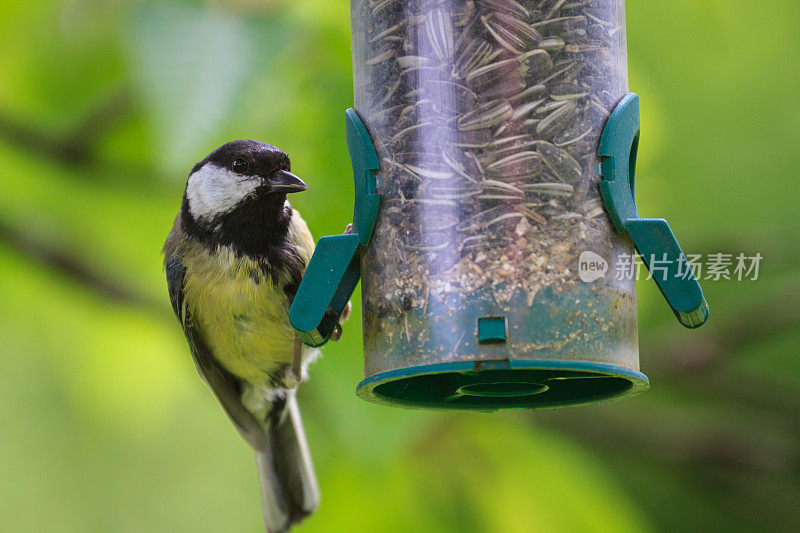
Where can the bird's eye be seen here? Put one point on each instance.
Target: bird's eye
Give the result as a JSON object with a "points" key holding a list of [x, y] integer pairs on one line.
{"points": [[239, 165]]}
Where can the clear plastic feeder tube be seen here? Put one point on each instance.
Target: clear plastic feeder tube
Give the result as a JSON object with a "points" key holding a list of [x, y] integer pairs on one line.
{"points": [[486, 117]]}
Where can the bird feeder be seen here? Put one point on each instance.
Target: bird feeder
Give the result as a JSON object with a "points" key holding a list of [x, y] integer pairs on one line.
{"points": [[493, 145]]}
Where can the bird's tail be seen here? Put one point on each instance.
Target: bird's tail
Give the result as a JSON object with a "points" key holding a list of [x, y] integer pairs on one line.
{"points": [[289, 490]]}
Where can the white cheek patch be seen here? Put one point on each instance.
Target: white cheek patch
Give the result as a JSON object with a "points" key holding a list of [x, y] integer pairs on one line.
{"points": [[214, 190]]}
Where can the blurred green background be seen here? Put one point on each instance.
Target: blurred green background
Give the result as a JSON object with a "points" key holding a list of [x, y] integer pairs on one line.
{"points": [[104, 423]]}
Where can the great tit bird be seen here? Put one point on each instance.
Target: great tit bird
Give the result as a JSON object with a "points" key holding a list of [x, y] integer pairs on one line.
{"points": [[234, 260]]}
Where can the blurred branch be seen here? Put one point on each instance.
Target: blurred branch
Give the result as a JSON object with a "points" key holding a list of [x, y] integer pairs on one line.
{"points": [[72, 268], [77, 145], [609, 430]]}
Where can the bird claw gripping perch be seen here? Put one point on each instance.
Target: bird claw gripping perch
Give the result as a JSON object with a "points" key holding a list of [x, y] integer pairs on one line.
{"points": [[652, 237], [335, 267]]}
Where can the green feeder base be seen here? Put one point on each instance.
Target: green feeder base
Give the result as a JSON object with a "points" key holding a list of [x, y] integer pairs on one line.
{"points": [[487, 386]]}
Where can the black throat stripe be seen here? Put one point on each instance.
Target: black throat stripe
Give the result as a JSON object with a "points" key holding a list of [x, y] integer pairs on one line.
{"points": [[258, 229]]}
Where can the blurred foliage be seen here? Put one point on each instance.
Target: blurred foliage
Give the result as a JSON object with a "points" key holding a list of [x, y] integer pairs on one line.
{"points": [[104, 106]]}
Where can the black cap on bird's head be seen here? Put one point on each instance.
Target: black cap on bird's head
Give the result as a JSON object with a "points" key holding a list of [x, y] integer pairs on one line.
{"points": [[238, 173], [248, 158], [239, 188]]}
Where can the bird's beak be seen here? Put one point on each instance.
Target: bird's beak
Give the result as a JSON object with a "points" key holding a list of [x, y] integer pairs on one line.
{"points": [[286, 182]]}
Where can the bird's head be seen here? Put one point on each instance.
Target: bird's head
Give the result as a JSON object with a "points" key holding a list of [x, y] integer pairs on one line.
{"points": [[239, 178]]}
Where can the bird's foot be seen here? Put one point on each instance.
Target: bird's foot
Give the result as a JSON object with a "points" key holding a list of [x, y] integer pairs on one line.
{"points": [[336, 335], [345, 316]]}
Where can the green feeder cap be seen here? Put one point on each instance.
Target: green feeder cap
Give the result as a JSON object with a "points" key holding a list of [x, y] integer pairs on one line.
{"points": [[492, 385]]}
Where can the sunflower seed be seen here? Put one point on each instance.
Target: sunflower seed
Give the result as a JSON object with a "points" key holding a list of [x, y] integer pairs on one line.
{"points": [[485, 116], [412, 61], [465, 16], [519, 164], [433, 248], [558, 160], [430, 174], [506, 140], [476, 161], [507, 6], [580, 48], [549, 107], [551, 43], [502, 218], [567, 92], [538, 63], [533, 215], [402, 133], [456, 166], [562, 22], [474, 54], [599, 21], [380, 58], [387, 32], [556, 121], [521, 111], [523, 144], [439, 29], [494, 184], [552, 189], [448, 190], [486, 74], [555, 8], [432, 201], [511, 33], [449, 195], [594, 213], [381, 5], [382, 113], [573, 140], [567, 70], [533, 90], [518, 25]]}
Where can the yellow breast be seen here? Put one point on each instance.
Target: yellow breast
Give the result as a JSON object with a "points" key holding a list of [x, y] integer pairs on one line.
{"points": [[241, 313]]}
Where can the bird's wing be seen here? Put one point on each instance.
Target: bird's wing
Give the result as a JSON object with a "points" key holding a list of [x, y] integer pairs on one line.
{"points": [[223, 384]]}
